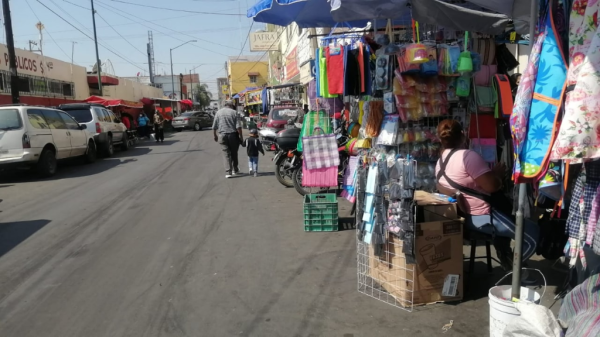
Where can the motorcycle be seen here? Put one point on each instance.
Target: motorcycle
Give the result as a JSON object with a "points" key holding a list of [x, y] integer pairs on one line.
{"points": [[287, 157], [267, 138]]}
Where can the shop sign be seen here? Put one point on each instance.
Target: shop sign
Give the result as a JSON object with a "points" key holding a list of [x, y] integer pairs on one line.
{"points": [[263, 41], [34, 64], [291, 64], [305, 53], [254, 97], [225, 89]]}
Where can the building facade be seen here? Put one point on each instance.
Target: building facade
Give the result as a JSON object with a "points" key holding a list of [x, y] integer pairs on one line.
{"points": [[247, 72]]}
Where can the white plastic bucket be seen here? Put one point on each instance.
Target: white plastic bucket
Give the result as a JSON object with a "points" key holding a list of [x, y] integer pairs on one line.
{"points": [[502, 309]]}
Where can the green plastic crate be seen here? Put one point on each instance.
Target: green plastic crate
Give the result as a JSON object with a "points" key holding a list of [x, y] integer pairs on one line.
{"points": [[320, 213]]}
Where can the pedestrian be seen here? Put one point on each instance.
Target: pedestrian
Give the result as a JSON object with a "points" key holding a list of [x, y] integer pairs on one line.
{"points": [[253, 147], [159, 122], [143, 122], [227, 131]]}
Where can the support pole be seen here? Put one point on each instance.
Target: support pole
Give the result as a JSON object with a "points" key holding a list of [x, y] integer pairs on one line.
{"points": [[12, 57], [519, 227], [172, 78], [98, 63]]}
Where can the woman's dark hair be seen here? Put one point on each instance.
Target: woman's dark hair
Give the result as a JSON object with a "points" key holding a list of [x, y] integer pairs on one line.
{"points": [[451, 133]]}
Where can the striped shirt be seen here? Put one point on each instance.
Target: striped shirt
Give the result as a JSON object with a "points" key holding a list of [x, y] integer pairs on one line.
{"points": [[226, 121]]}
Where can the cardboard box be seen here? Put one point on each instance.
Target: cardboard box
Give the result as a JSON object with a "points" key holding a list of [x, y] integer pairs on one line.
{"points": [[438, 272], [434, 213]]}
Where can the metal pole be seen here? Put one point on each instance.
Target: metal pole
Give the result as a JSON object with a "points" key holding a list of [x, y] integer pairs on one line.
{"points": [[98, 63], [519, 228], [172, 78], [12, 57]]}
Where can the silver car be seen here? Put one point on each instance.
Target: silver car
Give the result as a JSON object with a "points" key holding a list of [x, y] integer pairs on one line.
{"points": [[194, 120]]}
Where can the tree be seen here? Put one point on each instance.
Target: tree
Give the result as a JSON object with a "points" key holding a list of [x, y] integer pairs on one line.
{"points": [[203, 96]]}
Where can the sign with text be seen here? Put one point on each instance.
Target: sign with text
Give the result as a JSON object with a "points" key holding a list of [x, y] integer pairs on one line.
{"points": [[264, 41], [305, 52], [291, 64], [254, 97]]}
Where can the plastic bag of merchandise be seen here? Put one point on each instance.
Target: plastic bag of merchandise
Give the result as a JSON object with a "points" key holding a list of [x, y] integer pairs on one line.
{"points": [[535, 321]]}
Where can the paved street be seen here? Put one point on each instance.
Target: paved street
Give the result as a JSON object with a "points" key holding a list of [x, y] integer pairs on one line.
{"points": [[155, 242]]}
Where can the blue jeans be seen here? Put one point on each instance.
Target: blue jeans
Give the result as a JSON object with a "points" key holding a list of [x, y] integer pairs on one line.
{"points": [[253, 164], [505, 227]]}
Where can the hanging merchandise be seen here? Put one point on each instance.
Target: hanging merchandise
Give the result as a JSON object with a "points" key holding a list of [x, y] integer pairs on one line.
{"points": [[320, 151], [382, 72], [578, 135], [314, 120], [391, 48], [463, 86], [448, 60], [504, 96], [389, 106], [551, 184], [352, 73], [323, 177], [403, 66], [335, 69], [547, 97], [505, 59], [486, 147], [430, 68], [416, 53], [486, 96], [373, 124], [389, 129], [465, 63], [487, 49]]}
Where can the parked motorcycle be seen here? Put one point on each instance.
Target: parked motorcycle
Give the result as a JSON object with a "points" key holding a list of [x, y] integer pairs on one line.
{"points": [[287, 157], [267, 138]]}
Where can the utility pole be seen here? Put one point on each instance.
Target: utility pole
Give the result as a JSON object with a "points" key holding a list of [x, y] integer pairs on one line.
{"points": [[98, 63], [12, 57]]}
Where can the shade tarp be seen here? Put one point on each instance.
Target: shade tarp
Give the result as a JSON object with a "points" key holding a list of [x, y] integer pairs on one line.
{"points": [[305, 13], [187, 102], [485, 16], [109, 102]]}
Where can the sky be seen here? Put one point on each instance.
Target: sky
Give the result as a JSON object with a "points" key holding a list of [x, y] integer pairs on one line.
{"points": [[122, 28]]}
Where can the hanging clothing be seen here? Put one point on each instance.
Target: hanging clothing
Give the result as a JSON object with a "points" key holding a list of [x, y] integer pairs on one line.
{"points": [[579, 135], [352, 79], [335, 69], [323, 76]]}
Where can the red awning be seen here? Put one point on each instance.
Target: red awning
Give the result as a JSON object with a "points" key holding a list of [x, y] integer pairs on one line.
{"points": [[187, 102], [106, 80], [108, 102]]}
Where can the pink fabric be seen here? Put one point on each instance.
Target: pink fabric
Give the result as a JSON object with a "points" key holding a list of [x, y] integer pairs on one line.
{"points": [[323, 177], [484, 76], [463, 168]]}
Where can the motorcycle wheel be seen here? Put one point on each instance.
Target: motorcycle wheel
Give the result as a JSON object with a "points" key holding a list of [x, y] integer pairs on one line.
{"points": [[297, 178], [280, 173]]}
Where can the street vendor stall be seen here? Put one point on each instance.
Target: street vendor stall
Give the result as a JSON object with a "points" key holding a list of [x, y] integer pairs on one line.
{"points": [[390, 90], [125, 109]]}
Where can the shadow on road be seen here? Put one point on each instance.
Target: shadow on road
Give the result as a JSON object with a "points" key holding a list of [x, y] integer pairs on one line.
{"points": [[13, 233], [66, 170]]}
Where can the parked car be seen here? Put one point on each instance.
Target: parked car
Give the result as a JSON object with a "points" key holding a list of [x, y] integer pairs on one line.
{"points": [[195, 120], [101, 123], [38, 137], [279, 116]]}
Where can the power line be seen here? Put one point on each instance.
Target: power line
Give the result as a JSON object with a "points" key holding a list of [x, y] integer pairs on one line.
{"points": [[87, 9], [263, 55], [52, 38], [244, 45], [70, 24], [115, 10], [176, 10], [131, 44]]}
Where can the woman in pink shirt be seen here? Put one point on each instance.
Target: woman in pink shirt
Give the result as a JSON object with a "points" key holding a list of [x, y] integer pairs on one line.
{"points": [[465, 171]]}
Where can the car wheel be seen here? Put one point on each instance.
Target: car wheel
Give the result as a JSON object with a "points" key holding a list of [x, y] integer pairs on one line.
{"points": [[197, 127], [91, 154], [109, 149], [178, 130], [125, 144], [46, 165]]}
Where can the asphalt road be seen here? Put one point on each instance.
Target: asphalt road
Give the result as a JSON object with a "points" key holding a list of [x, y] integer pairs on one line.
{"points": [[156, 242]]}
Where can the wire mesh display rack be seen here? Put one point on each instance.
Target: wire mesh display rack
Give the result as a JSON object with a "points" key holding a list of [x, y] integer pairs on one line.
{"points": [[385, 276]]}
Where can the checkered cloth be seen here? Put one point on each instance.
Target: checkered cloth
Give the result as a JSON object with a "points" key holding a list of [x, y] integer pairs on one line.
{"points": [[320, 151], [585, 190]]}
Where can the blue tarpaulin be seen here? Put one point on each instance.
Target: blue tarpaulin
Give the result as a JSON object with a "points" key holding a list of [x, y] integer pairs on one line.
{"points": [[305, 13]]}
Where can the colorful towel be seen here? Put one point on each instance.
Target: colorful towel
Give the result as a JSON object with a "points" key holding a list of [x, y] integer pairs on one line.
{"points": [[579, 135], [546, 102]]}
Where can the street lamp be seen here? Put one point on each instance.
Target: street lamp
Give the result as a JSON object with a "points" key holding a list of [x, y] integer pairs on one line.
{"points": [[171, 55], [192, 82]]}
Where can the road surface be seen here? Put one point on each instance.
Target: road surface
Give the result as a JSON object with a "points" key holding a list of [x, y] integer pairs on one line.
{"points": [[155, 242]]}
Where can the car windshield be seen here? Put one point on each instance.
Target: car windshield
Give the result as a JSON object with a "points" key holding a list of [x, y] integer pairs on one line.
{"points": [[187, 114], [81, 115], [283, 114], [10, 119]]}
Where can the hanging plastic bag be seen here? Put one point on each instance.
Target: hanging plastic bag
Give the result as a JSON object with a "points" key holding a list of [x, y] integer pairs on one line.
{"points": [[465, 63], [463, 86]]}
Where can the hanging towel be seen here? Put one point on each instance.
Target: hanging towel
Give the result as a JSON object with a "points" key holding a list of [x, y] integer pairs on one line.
{"points": [[335, 69]]}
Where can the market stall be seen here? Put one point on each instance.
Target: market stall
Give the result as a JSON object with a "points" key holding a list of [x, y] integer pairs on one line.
{"points": [[124, 109], [389, 90]]}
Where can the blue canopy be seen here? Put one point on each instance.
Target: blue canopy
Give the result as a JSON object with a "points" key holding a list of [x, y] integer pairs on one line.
{"points": [[305, 13]]}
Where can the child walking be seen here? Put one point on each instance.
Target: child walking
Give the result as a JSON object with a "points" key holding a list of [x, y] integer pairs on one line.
{"points": [[253, 147]]}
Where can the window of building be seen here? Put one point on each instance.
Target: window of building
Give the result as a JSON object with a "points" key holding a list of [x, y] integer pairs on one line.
{"points": [[67, 89], [24, 84], [253, 78]]}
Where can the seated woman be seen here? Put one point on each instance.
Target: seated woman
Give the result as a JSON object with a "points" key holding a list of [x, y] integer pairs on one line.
{"points": [[465, 171]]}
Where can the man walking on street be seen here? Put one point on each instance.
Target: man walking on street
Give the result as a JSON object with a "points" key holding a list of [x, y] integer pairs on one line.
{"points": [[227, 131], [159, 132]]}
